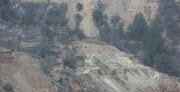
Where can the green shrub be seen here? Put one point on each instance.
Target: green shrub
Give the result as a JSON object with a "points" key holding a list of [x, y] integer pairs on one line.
{"points": [[44, 48], [47, 64], [47, 32], [119, 30], [79, 33], [62, 21], [3, 13], [98, 17], [56, 16], [70, 59], [78, 19], [60, 81], [65, 37], [8, 88], [79, 7], [28, 19], [114, 20], [4, 2]]}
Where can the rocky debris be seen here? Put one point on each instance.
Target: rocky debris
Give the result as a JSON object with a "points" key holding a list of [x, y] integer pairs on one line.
{"points": [[116, 71]]}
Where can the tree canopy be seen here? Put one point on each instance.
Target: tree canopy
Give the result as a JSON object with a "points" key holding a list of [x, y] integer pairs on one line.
{"points": [[137, 29]]}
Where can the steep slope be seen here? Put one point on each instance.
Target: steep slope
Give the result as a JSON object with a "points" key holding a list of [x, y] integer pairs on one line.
{"points": [[116, 71], [126, 9], [105, 66], [23, 73]]}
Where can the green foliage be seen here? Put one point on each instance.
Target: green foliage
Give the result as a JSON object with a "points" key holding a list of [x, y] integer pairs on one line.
{"points": [[4, 2], [136, 30], [79, 7], [114, 20], [70, 59], [47, 64], [8, 88], [79, 33], [98, 17], [47, 32], [119, 30], [44, 48], [62, 21], [60, 81], [3, 13], [156, 54], [4, 9], [28, 19], [78, 19], [64, 37], [55, 17]]}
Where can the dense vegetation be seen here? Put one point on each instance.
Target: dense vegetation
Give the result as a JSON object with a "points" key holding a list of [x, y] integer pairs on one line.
{"points": [[144, 36], [56, 16], [136, 30], [156, 54], [70, 58], [5, 12], [46, 64]]}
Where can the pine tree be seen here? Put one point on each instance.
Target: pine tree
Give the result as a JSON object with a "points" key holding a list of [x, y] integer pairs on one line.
{"points": [[137, 29], [156, 54]]}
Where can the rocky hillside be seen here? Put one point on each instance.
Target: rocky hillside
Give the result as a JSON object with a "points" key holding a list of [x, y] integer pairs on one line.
{"points": [[116, 71], [55, 46], [126, 9]]}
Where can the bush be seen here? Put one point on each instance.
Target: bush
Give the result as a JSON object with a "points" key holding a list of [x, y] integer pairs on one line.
{"points": [[79, 33], [98, 17], [60, 81], [114, 20], [47, 32], [44, 48], [62, 21], [78, 19], [28, 19], [56, 15], [3, 13], [70, 59], [79, 7], [4, 2], [4, 9], [8, 88], [47, 64], [119, 30], [65, 37]]}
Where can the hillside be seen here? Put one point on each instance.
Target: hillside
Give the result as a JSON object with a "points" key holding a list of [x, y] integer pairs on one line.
{"points": [[60, 46]]}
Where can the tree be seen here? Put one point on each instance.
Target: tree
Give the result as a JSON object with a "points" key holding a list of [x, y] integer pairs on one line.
{"points": [[79, 7], [79, 33], [119, 30], [98, 17], [4, 2], [47, 32], [47, 64], [137, 29], [156, 54], [4, 9], [44, 48], [70, 59]]}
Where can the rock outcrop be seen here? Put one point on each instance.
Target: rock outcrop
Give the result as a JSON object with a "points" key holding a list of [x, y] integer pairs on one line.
{"points": [[116, 71]]}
